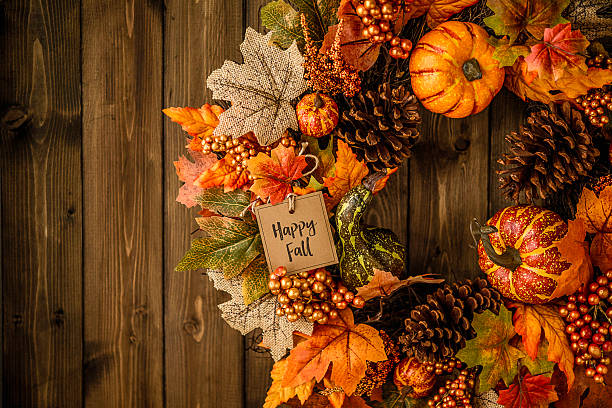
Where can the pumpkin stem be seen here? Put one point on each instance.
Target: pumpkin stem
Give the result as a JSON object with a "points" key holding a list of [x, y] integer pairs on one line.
{"points": [[318, 101], [509, 259], [471, 69]]}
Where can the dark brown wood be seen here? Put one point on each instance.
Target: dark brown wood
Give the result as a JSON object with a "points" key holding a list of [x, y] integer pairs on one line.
{"points": [[448, 187], [203, 355], [40, 167], [122, 162]]}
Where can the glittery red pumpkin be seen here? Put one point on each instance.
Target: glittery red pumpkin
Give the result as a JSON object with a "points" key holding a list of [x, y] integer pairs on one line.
{"points": [[317, 114], [410, 372], [518, 252]]}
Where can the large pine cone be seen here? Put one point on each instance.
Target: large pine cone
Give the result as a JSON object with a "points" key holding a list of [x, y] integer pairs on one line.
{"points": [[439, 328], [551, 151], [381, 127]]}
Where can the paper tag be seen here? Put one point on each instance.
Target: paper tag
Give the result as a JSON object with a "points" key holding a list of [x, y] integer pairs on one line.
{"points": [[301, 241]]}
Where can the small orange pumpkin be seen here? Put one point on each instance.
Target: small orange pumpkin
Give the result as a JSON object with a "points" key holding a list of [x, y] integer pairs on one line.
{"points": [[452, 70], [317, 114], [410, 372]]}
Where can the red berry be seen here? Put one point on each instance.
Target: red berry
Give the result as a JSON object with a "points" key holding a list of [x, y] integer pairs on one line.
{"points": [[594, 350], [584, 309], [563, 311], [603, 292], [595, 325], [603, 330], [598, 378], [574, 347], [571, 298], [598, 338], [571, 306], [573, 315], [593, 299], [582, 298], [607, 346], [574, 337], [609, 274], [579, 322], [590, 372], [571, 328], [609, 312], [602, 281], [583, 344], [587, 318], [593, 286], [601, 369], [586, 332]]}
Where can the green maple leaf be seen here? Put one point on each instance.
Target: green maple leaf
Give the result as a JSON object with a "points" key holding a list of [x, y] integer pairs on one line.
{"points": [[513, 16], [255, 280], [283, 20], [230, 204], [506, 53], [231, 245], [492, 350]]}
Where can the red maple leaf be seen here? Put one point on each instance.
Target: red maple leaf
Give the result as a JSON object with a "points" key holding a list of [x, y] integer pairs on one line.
{"points": [[274, 175], [560, 49], [528, 391], [188, 172]]}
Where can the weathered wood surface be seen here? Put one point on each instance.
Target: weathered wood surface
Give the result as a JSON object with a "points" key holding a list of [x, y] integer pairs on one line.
{"points": [[93, 313]]}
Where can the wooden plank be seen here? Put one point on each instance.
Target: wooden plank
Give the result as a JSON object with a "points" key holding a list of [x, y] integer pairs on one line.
{"points": [[506, 114], [204, 356], [448, 187], [122, 163], [41, 221]]}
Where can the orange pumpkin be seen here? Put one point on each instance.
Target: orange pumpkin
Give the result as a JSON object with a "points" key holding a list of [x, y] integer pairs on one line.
{"points": [[452, 70], [317, 114], [410, 372]]}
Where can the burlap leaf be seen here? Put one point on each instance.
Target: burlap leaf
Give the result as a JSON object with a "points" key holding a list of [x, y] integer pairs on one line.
{"points": [[277, 331], [260, 90]]}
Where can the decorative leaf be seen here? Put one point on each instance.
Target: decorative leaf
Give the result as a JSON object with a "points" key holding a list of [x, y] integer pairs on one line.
{"points": [[601, 251], [199, 123], [586, 393], [438, 11], [260, 90], [513, 16], [574, 250], [560, 48], [529, 391], [327, 161], [275, 174], [596, 212], [222, 174], [384, 283], [255, 280], [507, 53], [530, 320], [188, 172], [341, 342], [230, 204], [349, 173], [284, 21], [277, 394], [277, 331], [231, 246]]}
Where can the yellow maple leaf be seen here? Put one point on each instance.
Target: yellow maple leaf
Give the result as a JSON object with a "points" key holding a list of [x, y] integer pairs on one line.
{"points": [[277, 394]]}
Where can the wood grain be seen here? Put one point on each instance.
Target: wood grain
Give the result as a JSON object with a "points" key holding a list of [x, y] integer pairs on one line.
{"points": [[122, 161], [204, 356], [448, 188], [40, 167]]}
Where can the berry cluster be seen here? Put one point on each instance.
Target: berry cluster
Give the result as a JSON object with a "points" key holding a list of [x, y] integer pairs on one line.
{"points": [[445, 366], [599, 61], [597, 105], [239, 151], [588, 313], [456, 393], [314, 295], [378, 17]]}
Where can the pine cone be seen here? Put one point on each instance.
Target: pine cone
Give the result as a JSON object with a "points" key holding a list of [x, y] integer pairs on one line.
{"points": [[440, 327], [377, 373], [552, 150], [381, 127]]}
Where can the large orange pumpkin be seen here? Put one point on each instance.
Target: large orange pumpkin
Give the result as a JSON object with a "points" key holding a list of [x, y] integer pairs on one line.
{"points": [[452, 70], [518, 252]]}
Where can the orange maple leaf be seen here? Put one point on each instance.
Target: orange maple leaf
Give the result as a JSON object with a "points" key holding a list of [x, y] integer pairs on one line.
{"points": [[199, 123], [334, 400], [528, 391], [596, 212], [188, 172], [574, 250], [530, 320], [349, 173], [274, 175], [384, 283], [223, 174], [277, 394], [339, 342], [601, 251], [438, 11]]}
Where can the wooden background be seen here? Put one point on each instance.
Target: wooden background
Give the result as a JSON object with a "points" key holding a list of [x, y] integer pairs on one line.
{"points": [[92, 312]]}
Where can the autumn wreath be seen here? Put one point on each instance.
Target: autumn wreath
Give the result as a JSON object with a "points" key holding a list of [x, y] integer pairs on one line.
{"points": [[322, 110]]}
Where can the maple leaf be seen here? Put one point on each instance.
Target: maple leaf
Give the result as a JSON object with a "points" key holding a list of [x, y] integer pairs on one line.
{"points": [[529, 391], [530, 321], [384, 283], [507, 53], [199, 123], [188, 172], [334, 400], [277, 394], [492, 349], [261, 89], [284, 21], [601, 251], [231, 246], [255, 280], [277, 331], [596, 212], [574, 250], [513, 16], [349, 173], [230, 204], [560, 48], [222, 173], [438, 11], [275, 174], [339, 342]]}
